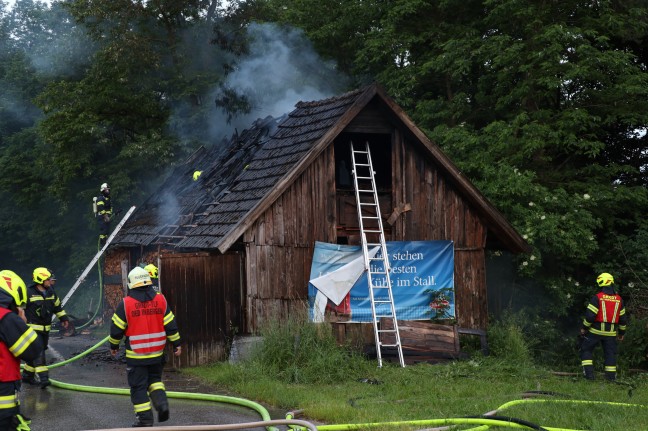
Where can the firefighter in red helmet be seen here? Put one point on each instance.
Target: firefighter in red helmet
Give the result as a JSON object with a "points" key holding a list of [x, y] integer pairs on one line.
{"points": [[146, 320], [17, 341], [605, 321]]}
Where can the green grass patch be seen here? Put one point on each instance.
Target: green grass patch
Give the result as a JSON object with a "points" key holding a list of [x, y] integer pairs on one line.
{"points": [[300, 367]]}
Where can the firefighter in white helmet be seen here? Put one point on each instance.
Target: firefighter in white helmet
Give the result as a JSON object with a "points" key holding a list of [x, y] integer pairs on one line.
{"points": [[147, 322], [17, 341]]}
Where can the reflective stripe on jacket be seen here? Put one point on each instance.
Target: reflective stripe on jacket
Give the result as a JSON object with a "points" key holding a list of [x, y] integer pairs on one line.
{"points": [[145, 330], [41, 307], [605, 314], [609, 308], [9, 362]]}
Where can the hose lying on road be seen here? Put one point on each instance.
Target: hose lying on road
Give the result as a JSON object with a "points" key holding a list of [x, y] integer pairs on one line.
{"points": [[263, 412], [484, 421], [246, 425]]}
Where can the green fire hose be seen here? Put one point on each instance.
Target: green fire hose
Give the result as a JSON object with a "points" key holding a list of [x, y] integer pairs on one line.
{"points": [[484, 422]]}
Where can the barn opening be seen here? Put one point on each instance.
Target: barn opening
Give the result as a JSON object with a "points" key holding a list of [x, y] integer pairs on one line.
{"points": [[380, 148]]}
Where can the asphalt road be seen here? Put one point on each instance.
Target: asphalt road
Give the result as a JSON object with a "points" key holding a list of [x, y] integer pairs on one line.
{"points": [[63, 409]]}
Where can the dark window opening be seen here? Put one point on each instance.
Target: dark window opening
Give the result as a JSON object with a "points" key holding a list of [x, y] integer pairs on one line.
{"points": [[380, 148]]}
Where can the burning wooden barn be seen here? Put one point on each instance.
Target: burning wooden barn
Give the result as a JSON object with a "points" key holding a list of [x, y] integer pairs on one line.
{"points": [[233, 229]]}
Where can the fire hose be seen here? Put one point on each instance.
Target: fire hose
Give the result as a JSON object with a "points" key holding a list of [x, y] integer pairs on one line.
{"points": [[485, 421]]}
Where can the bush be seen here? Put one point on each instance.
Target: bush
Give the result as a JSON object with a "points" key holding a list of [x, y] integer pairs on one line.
{"points": [[507, 341], [300, 351], [632, 350]]}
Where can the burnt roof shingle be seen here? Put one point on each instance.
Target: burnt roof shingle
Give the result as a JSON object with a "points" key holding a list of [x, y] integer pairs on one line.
{"points": [[240, 176]]}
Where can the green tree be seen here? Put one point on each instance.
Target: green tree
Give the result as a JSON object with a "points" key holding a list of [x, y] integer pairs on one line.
{"points": [[542, 104]]}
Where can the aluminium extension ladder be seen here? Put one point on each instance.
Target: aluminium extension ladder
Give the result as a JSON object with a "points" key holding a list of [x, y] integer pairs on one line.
{"points": [[377, 267], [96, 257]]}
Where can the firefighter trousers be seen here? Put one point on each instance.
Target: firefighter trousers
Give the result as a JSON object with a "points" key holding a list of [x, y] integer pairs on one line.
{"points": [[9, 404], [38, 365], [609, 345], [145, 380]]}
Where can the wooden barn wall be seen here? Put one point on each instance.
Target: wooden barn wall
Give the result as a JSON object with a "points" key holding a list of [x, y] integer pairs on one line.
{"points": [[115, 263], [205, 293], [280, 244], [439, 213]]}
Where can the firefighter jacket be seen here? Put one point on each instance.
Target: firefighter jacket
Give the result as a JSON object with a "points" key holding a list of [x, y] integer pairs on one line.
{"points": [[147, 322], [104, 207], [17, 341], [605, 314], [41, 307]]}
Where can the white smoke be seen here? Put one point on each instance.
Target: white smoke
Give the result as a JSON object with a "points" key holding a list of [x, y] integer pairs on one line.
{"points": [[281, 69]]}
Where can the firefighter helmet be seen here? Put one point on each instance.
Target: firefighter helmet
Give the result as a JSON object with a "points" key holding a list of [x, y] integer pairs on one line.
{"points": [[11, 283], [152, 270], [138, 277], [104, 186], [605, 279], [41, 274]]}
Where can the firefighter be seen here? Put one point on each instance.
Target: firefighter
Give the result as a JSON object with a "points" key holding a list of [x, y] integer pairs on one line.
{"points": [[605, 321], [42, 305], [153, 272], [103, 213], [146, 320], [17, 341]]}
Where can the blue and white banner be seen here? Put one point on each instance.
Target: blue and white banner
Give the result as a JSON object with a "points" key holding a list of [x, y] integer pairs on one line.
{"points": [[422, 279]]}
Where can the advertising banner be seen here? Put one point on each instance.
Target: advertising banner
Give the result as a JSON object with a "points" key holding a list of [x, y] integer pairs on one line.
{"points": [[422, 279]]}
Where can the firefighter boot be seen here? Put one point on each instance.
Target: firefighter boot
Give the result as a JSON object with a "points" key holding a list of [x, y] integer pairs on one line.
{"points": [[588, 374], [44, 380], [610, 373], [28, 377], [588, 369], [143, 419], [161, 404]]}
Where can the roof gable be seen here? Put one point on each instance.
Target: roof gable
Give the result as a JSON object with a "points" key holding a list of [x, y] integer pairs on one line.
{"points": [[243, 177]]}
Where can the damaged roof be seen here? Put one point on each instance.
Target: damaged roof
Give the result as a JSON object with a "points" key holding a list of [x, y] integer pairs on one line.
{"points": [[242, 177]]}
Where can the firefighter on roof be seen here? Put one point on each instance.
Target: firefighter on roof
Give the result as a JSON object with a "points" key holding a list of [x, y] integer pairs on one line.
{"points": [[42, 305], [605, 320], [17, 341], [147, 322]]}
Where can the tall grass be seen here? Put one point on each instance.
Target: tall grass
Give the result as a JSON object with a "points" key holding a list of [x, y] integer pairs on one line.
{"points": [[299, 366], [298, 351], [506, 341]]}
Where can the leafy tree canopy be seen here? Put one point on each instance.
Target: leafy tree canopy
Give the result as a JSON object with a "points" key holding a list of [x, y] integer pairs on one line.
{"points": [[544, 105]]}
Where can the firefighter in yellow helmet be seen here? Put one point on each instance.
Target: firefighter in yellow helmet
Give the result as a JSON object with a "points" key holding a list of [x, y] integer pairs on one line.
{"points": [[17, 341], [104, 213], [153, 272], [42, 305], [147, 322], [605, 321]]}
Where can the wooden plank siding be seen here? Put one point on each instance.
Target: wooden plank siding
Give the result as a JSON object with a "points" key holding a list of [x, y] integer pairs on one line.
{"points": [[205, 293], [439, 213], [280, 243]]}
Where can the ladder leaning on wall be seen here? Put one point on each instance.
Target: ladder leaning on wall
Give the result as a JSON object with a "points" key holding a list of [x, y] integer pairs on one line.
{"points": [[373, 235]]}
